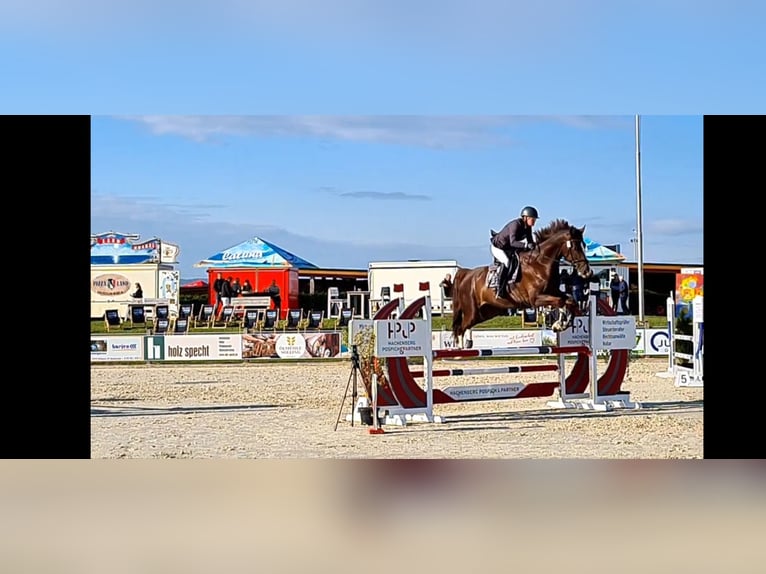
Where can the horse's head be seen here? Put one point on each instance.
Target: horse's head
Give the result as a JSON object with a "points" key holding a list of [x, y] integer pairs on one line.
{"points": [[569, 241], [573, 250]]}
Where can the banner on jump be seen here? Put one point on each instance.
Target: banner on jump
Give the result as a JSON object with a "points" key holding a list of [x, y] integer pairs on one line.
{"points": [[403, 338], [578, 334], [613, 332], [650, 342], [491, 339]]}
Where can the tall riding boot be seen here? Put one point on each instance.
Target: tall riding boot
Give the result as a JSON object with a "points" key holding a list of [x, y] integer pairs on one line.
{"points": [[501, 281]]}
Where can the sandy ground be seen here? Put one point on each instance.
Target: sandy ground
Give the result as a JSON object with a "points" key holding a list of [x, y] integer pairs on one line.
{"points": [[283, 411]]}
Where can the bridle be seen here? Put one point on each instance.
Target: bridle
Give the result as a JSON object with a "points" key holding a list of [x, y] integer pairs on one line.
{"points": [[567, 256], [573, 261]]}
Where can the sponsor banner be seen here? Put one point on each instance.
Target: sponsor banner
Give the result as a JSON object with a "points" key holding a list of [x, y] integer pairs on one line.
{"points": [[192, 347], [614, 333], [402, 338], [110, 284], [124, 348], [655, 341], [492, 339], [482, 392], [576, 335], [169, 281], [650, 342], [291, 345]]}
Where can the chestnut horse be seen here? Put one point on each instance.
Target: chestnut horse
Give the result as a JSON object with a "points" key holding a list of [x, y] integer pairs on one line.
{"points": [[474, 302]]}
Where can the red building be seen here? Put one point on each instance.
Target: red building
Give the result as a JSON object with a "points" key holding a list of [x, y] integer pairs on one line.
{"points": [[259, 262]]}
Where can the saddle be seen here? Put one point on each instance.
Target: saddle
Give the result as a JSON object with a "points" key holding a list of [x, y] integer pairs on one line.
{"points": [[493, 272]]}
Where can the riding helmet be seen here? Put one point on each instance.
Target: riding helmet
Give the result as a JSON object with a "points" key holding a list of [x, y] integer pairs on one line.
{"points": [[529, 211]]}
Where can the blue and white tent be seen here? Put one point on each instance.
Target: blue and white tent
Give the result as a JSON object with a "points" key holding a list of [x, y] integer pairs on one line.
{"points": [[597, 253], [255, 252]]}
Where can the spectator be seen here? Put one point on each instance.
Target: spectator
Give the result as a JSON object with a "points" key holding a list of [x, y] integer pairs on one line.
{"points": [[138, 293], [274, 293], [236, 289], [578, 290], [614, 289], [246, 287], [446, 286], [217, 285], [225, 294], [623, 291]]}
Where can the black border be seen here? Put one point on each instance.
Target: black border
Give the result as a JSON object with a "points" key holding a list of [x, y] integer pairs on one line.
{"points": [[734, 381], [46, 390], [47, 200]]}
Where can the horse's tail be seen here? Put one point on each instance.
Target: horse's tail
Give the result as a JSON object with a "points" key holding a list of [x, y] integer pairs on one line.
{"points": [[457, 302]]}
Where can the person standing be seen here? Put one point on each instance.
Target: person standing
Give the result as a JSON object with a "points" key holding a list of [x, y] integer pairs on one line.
{"points": [[623, 290], [225, 295], [217, 285], [226, 292], [276, 298], [578, 290], [614, 290]]}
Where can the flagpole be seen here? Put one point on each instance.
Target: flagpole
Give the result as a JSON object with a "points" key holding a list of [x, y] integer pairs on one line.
{"points": [[640, 233], [159, 264]]}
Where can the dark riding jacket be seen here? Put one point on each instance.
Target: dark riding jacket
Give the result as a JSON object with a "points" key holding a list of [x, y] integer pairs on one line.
{"points": [[513, 236]]}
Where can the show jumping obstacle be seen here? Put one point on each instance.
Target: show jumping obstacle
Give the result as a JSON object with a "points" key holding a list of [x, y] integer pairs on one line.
{"points": [[474, 301], [685, 376], [403, 400]]}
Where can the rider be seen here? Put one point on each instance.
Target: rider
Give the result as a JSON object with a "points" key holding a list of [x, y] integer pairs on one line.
{"points": [[515, 236]]}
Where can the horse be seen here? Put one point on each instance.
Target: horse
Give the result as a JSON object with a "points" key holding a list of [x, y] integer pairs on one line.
{"points": [[474, 302]]}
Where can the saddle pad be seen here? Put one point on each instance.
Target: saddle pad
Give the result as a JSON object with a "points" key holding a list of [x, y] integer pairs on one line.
{"points": [[492, 276]]}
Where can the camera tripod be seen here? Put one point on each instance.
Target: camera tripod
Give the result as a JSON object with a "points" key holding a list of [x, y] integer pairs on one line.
{"points": [[352, 377]]}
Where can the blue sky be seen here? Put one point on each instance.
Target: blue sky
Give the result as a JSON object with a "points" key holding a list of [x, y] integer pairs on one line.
{"points": [[349, 131], [341, 191]]}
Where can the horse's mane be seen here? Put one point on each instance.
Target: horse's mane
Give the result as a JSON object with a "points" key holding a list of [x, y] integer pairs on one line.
{"points": [[554, 227]]}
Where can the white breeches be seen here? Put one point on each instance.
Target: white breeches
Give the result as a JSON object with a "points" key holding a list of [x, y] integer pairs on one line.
{"points": [[500, 255]]}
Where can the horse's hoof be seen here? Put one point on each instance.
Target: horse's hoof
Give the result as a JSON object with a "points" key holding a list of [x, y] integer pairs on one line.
{"points": [[560, 326], [468, 344]]}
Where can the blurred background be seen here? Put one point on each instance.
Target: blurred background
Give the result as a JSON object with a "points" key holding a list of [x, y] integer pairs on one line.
{"points": [[358, 516]]}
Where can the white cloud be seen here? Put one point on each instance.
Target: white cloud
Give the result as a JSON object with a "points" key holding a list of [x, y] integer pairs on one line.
{"points": [[415, 130], [200, 238], [145, 208], [428, 131], [675, 226]]}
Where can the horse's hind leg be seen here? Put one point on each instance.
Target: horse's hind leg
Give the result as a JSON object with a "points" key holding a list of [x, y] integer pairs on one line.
{"points": [[457, 327], [461, 329]]}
